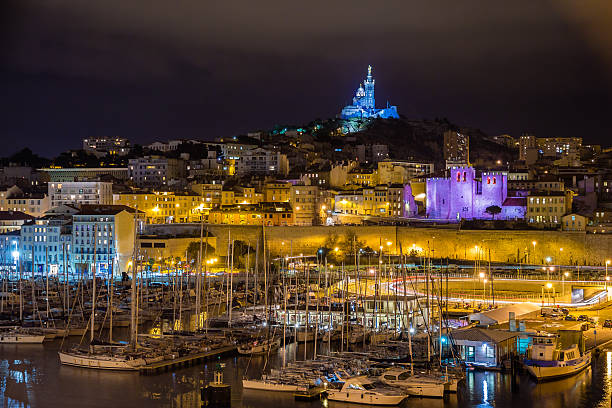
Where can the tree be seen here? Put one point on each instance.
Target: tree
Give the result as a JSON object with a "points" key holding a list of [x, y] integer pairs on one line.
{"points": [[350, 243], [493, 210], [193, 250]]}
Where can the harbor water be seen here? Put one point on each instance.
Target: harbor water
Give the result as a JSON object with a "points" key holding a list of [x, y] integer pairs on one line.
{"points": [[31, 376]]}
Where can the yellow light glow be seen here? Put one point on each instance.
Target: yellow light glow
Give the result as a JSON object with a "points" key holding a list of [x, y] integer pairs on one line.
{"points": [[389, 243], [548, 285], [481, 274]]}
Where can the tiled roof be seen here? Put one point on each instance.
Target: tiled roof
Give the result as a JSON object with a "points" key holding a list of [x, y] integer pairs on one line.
{"points": [[479, 334], [14, 216]]}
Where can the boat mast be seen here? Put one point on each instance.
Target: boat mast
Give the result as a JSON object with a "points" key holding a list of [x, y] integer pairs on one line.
{"points": [[285, 319], [198, 276], [111, 262], [205, 287], [134, 329], [316, 333], [307, 309], [93, 279], [47, 282], [231, 287]]}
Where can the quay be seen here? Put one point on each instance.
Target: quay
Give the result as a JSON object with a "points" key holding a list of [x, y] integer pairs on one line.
{"points": [[185, 361]]}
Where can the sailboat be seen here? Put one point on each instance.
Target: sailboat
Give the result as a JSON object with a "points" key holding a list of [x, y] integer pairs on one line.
{"points": [[16, 335], [112, 356]]}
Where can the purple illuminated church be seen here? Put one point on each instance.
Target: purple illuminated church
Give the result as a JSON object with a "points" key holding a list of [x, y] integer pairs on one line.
{"points": [[464, 196]]}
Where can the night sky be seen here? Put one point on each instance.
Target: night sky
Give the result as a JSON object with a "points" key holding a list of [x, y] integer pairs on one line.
{"points": [[158, 69]]}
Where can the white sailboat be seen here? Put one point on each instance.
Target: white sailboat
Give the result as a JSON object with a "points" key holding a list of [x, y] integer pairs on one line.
{"points": [[18, 336], [113, 357], [102, 361]]}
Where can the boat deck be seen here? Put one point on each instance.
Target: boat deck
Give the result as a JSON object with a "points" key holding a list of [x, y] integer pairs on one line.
{"points": [[186, 361]]}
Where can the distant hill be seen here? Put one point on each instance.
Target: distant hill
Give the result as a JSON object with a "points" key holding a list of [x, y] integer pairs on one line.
{"points": [[423, 140]]}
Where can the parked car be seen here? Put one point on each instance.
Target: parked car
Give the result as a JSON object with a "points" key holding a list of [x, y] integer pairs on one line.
{"points": [[607, 323], [583, 318], [551, 312], [570, 318]]}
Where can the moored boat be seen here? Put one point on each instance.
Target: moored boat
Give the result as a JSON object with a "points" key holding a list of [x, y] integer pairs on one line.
{"points": [[259, 346], [361, 390], [548, 361], [101, 361], [415, 385], [270, 385]]}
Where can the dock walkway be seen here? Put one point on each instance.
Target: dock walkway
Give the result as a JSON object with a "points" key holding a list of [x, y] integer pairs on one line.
{"points": [[186, 361]]}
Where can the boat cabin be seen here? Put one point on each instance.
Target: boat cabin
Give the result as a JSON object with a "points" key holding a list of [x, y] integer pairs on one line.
{"points": [[547, 348]]}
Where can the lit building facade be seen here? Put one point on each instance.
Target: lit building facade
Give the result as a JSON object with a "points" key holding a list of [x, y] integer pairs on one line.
{"points": [[401, 171], [46, 245], [545, 209], [456, 148], [80, 192], [101, 146], [262, 161], [154, 171], [162, 207], [269, 214], [463, 196], [103, 234], [305, 203]]}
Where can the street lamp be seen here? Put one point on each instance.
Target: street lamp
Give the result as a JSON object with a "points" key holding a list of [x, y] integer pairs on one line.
{"points": [[565, 275], [484, 291], [548, 287], [534, 245], [607, 263]]}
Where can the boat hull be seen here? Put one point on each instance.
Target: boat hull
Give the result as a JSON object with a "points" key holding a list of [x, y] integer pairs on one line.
{"points": [[21, 339], [109, 363], [271, 386], [364, 397], [547, 373]]}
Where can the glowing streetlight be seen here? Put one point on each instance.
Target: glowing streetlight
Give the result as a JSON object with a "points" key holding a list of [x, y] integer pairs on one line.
{"points": [[482, 275], [565, 275]]}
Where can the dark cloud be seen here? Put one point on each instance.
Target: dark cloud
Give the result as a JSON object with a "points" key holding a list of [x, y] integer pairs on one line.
{"points": [[158, 69]]}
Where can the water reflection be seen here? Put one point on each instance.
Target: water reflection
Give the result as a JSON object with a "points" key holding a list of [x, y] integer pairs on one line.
{"points": [[30, 375]]}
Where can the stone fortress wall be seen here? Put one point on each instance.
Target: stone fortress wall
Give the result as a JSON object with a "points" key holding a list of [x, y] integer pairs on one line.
{"points": [[504, 245]]}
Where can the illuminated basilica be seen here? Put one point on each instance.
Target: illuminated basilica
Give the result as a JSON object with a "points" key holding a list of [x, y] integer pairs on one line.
{"points": [[364, 105]]}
